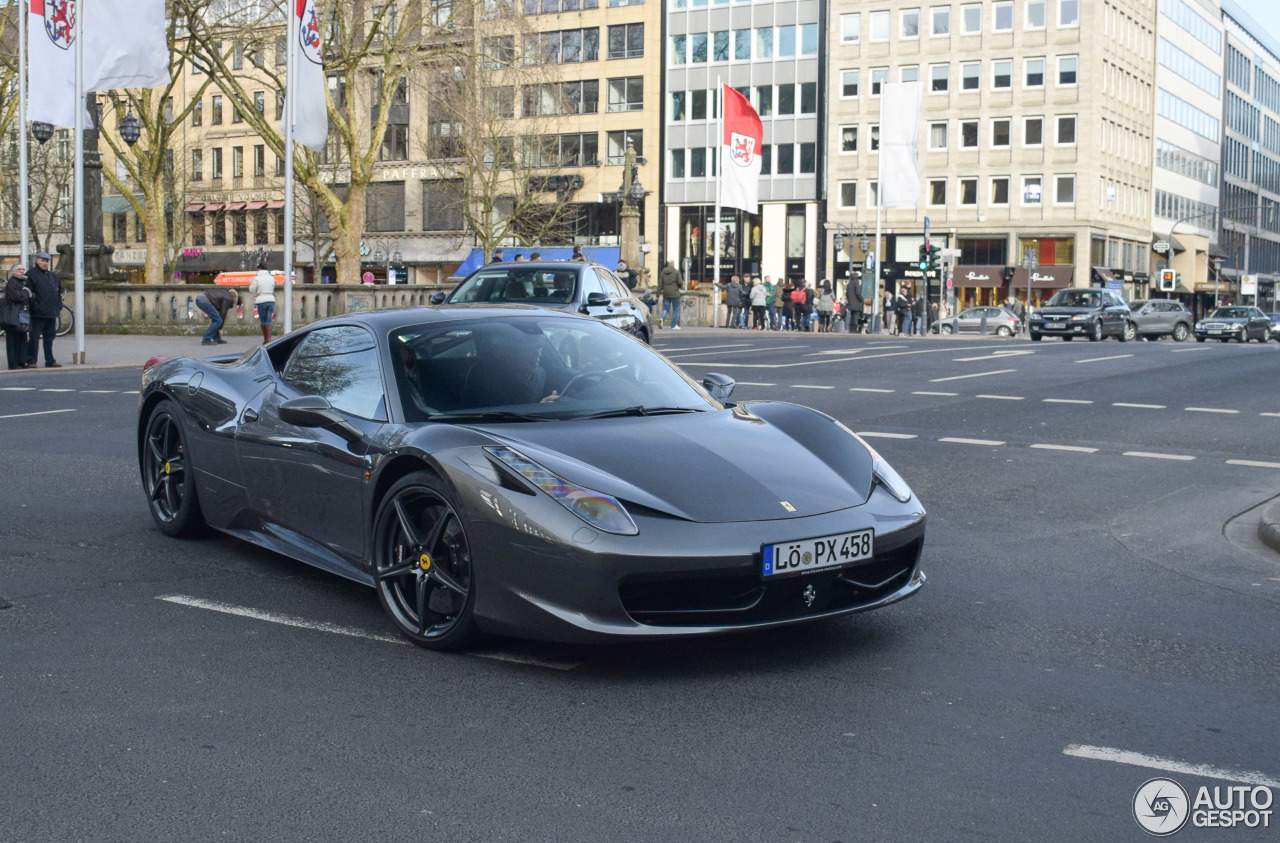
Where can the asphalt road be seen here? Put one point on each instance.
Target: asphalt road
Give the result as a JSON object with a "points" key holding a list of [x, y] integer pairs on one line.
{"points": [[1082, 592]]}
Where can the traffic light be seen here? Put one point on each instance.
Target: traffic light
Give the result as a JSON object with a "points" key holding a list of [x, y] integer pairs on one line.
{"points": [[924, 257], [1168, 280], [933, 257]]}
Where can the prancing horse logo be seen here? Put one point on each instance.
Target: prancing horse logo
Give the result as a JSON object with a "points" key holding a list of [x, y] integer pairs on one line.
{"points": [[809, 594]]}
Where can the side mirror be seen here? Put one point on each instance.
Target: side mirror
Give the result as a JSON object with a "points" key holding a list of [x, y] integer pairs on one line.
{"points": [[316, 411], [438, 297], [597, 299], [720, 386]]}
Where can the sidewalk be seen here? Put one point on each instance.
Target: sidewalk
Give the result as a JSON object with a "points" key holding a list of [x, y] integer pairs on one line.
{"points": [[129, 351]]}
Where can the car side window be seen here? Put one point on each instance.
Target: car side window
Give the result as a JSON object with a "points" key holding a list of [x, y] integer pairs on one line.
{"points": [[613, 284], [591, 283], [340, 364]]}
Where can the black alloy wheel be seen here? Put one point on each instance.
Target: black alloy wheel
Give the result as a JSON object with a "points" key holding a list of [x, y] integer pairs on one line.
{"points": [[1095, 331], [1180, 332], [424, 571], [167, 476]]}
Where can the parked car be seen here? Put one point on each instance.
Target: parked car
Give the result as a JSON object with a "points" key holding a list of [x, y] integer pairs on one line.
{"points": [[1157, 318], [1076, 312], [1236, 322], [587, 288], [1275, 325], [1000, 322]]}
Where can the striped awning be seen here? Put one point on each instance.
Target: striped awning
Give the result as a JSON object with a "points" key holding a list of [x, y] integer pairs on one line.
{"points": [[216, 206], [275, 204], [194, 208], [235, 206], [255, 206]]}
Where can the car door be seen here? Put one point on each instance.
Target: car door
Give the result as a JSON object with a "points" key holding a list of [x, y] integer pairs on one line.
{"points": [[1115, 313], [610, 312], [309, 482], [967, 321], [633, 309]]}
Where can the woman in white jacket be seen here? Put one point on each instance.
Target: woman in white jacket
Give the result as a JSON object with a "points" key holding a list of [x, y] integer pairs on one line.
{"points": [[263, 290]]}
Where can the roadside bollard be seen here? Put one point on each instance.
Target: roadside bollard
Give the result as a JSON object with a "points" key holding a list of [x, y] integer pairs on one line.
{"points": [[982, 324]]}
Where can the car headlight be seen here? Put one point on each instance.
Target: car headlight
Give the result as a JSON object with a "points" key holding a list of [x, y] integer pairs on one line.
{"points": [[596, 508], [883, 473], [1079, 317]]}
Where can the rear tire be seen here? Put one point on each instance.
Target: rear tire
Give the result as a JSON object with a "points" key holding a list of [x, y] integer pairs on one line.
{"points": [[1180, 332], [1003, 331]]}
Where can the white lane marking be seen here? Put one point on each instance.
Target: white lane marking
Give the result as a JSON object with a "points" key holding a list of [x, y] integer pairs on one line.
{"points": [[681, 353], [1066, 401], [1155, 762], [57, 390], [131, 392], [752, 383], [809, 386], [676, 348], [1073, 448], [41, 413], [1139, 406], [1210, 410], [1254, 463], [320, 626], [1197, 348], [954, 394], [17, 389], [871, 434], [867, 389], [1002, 397], [96, 391], [1151, 456], [974, 375], [1099, 359], [853, 350], [992, 356], [970, 441], [833, 359], [1271, 415]]}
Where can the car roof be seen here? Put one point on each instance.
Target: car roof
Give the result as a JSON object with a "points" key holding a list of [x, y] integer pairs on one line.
{"points": [[387, 319], [537, 265]]}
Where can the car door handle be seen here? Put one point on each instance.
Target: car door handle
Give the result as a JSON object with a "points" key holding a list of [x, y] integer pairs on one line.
{"points": [[250, 415]]}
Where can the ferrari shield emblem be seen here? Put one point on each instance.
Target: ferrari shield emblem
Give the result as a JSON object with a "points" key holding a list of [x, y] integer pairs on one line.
{"points": [[60, 22], [742, 148]]}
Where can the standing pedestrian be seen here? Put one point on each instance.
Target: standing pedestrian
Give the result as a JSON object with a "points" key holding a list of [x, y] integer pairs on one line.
{"points": [[669, 288], [263, 290], [758, 299], [580, 257], [770, 309], [808, 305], [16, 296], [626, 275], [46, 306], [215, 304], [855, 309], [732, 300], [917, 312], [826, 303], [905, 302], [890, 313]]}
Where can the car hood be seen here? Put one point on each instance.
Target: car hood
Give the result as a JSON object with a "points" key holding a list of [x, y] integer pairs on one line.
{"points": [[1065, 311], [1224, 320], [758, 461]]}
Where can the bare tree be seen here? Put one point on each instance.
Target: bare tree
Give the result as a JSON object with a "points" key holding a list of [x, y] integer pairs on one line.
{"points": [[51, 173]]}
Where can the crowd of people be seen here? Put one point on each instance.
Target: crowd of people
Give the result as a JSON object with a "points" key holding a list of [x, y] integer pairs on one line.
{"points": [[759, 304], [29, 313]]}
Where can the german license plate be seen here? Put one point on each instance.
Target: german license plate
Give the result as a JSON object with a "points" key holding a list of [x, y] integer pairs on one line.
{"points": [[1055, 326], [817, 554]]}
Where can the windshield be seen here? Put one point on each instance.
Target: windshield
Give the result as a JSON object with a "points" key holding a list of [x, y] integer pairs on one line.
{"points": [[543, 367], [513, 283], [1230, 313], [1074, 298]]}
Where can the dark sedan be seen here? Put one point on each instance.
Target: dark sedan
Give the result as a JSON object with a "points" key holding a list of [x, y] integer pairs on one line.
{"points": [[517, 470], [1275, 325], [586, 288], [1076, 312], [1236, 322]]}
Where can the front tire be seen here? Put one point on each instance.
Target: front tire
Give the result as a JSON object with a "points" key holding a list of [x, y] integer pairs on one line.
{"points": [[946, 329], [1035, 337], [1244, 336], [168, 477], [1129, 333], [1095, 331], [423, 567], [1180, 332]]}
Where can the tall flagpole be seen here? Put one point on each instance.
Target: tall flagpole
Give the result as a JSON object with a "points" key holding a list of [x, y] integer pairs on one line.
{"points": [[291, 57], [719, 163], [875, 276], [24, 198], [78, 192]]}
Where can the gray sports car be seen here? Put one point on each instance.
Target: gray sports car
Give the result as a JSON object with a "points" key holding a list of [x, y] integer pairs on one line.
{"points": [[523, 471]]}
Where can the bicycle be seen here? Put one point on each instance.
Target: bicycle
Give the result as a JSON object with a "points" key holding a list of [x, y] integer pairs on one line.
{"points": [[66, 321]]}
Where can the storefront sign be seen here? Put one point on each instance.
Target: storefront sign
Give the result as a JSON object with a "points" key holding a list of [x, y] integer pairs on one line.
{"points": [[193, 253], [978, 276], [1044, 277]]}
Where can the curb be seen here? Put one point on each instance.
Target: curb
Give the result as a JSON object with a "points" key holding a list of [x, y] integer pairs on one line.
{"points": [[1269, 525]]}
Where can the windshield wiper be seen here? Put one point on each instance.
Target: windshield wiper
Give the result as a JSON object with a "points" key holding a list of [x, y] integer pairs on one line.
{"points": [[638, 410], [486, 416]]}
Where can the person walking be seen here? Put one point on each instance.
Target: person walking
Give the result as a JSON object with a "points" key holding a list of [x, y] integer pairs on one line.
{"points": [[263, 290], [770, 307], [669, 287], [497, 256], [16, 296], [807, 307], [215, 304], [46, 305], [826, 303], [732, 300]]}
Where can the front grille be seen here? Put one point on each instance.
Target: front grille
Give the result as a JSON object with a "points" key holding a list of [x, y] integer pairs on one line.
{"points": [[738, 599]]}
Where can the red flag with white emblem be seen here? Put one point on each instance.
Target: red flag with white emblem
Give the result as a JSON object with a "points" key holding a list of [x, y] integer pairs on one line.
{"points": [[53, 26], [306, 78], [740, 153]]}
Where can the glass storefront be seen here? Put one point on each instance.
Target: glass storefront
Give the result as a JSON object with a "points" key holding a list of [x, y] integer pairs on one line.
{"points": [[738, 236]]}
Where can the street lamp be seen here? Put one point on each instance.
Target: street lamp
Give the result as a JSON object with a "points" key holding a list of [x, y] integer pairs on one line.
{"points": [[1216, 260], [41, 131], [129, 130], [845, 234], [385, 251]]}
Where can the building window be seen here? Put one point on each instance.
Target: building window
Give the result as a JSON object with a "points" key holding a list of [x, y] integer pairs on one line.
{"points": [[279, 223], [237, 162], [1065, 190], [969, 134], [1034, 69], [197, 229], [1067, 70], [1001, 74], [1000, 132], [971, 19], [764, 42], [279, 166], [219, 225], [808, 97], [677, 163], [720, 46], [848, 83], [764, 100], [742, 44], [678, 113], [968, 191], [616, 145], [1000, 190], [1067, 130], [679, 48], [848, 138], [626, 94], [197, 164], [808, 39], [848, 194], [786, 42], [236, 116], [939, 78], [215, 113], [808, 158], [384, 206], [851, 28], [910, 24], [1035, 14], [937, 135], [970, 76], [260, 227], [786, 158], [873, 193], [940, 20], [698, 162], [216, 166], [1068, 12], [1002, 17], [879, 75], [879, 26], [1033, 131], [119, 228], [197, 113], [1030, 190], [786, 99], [697, 48], [937, 192], [259, 160], [239, 229], [260, 101]]}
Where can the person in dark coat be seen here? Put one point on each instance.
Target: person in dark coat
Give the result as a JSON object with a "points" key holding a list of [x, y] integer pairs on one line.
{"points": [[46, 306], [215, 304], [15, 339], [578, 255]]}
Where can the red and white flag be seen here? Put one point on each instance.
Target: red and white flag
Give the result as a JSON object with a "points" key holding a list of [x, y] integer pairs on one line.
{"points": [[306, 78], [740, 153], [53, 26], [124, 44]]}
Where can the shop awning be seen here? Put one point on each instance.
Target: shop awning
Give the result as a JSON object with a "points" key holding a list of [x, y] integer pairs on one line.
{"points": [[1044, 277], [115, 205], [1104, 274], [275, 204], [215, 206], [255, 206], [235, 206], [194, 208], [978, 276]]}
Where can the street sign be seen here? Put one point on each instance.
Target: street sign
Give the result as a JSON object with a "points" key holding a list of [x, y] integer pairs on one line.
{"points": [[1115, 285], [1248, 285], [871, 260], [1160, 246], [367, 278]]}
